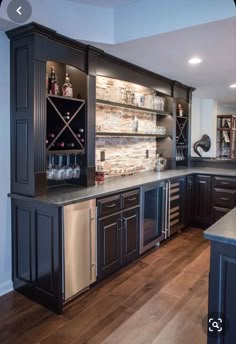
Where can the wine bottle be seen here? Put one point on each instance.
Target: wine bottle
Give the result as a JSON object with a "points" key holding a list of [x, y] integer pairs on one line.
{"points": [[67, 89], [51, 135], [60, 144], [67, 116], [81, 130], [70, 145], [53, 83]]}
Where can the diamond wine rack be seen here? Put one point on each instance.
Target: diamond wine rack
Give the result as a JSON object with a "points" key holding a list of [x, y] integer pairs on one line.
{"points": [[65, 125]]}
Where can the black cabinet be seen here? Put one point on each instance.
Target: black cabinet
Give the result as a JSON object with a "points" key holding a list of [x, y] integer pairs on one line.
{"points": [[130, 233], [109, 248], [36, 242], [118, 231], [189, 201], [222, 296], [202, 200]]}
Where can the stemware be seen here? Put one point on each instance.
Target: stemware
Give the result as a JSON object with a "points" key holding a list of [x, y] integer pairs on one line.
{"points": [[60, 169], [68, 169], [76, 169], [50, 171]]}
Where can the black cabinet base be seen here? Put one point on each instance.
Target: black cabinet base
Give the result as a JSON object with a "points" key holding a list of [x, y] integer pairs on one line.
{"points": [[40, 296]]}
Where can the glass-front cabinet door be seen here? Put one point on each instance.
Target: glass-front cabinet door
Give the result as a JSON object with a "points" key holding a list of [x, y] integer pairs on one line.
{"points": [[152, 216]]}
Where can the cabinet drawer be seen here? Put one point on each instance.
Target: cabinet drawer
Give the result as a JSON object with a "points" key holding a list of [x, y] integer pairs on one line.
{"points": [[130, 199], [224, 198], [224, 182], [109, 205], [219, 212]]}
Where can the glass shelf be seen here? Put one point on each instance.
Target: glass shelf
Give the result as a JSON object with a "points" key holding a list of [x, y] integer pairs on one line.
{"points": [[132, 107], [99, 133]]}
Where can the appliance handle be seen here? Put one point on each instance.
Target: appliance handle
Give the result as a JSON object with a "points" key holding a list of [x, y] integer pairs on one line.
{"points": [[168, 209], [91, 223]]}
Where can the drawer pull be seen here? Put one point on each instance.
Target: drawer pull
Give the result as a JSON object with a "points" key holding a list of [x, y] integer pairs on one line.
{"points": [[225, 183], [225, 199], [131, 199], [110, 206]]}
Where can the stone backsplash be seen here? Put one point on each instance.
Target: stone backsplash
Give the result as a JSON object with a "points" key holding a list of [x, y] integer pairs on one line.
{"points": [[125, 155]]}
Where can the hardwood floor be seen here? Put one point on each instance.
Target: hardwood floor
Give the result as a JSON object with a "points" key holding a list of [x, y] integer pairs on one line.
{"points": [[160, 299]]}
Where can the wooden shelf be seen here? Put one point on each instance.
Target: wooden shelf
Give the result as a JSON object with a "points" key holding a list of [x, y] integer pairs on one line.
{"points": [[130, 134], [183, 146], [132, 107], [66, 152], [226, 129], [183, 117]]}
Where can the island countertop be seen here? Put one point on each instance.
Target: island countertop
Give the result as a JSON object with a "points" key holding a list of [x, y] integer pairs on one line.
{"points": [[224, 230], [69, 194]]}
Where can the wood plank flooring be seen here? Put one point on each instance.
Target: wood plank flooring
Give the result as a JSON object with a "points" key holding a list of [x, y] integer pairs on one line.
{"points": [[159, 299]]}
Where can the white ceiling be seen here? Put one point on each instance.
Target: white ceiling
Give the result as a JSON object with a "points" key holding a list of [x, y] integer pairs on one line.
{"points": [[104, 3], [168, 54]]}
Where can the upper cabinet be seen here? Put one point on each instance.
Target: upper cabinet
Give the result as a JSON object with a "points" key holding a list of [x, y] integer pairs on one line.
{"points": [[52, 124], [68, 102]]}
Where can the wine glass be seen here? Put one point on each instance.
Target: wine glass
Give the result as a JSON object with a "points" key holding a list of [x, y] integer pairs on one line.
{"points": [[50, 171], [60, 169], [68, 169], [76, 169]]}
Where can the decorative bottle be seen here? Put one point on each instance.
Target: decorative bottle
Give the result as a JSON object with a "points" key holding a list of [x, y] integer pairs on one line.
{"points": [[135, 124], [53, 85], [67, 89]]}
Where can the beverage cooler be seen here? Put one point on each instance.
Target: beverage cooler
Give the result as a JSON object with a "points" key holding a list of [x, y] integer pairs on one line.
{"points": [[153, 217]]}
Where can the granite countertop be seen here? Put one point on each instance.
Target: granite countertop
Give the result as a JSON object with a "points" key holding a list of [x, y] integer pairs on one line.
{"points": [[224, 230], [70, 194]]}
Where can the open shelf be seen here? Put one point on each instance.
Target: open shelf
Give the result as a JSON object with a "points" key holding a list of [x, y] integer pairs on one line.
{"points": [[130, 134], [67, 98], [132, 107], [66, 152]]}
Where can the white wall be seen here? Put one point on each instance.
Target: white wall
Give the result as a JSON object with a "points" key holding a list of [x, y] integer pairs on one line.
{"points": [[5, 216], [204, 115], [226, 109]]}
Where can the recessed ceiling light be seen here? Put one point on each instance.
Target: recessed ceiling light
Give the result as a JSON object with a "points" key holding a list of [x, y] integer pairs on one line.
{"points": [[233, 85], [195, 60]]}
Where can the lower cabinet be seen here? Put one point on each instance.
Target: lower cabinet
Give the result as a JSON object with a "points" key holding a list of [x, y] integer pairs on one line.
{"points": [[202, 200], [189, 218], [118, 234], [130, 235], [36, 249], [109, 245], [118, 241]]}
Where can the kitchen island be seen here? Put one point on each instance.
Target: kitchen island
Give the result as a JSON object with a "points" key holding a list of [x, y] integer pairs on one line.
{"points": [[222, 280]]}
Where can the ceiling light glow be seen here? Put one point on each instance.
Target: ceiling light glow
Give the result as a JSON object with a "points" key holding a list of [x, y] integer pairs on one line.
{"points": [[195, 60], [233, 85]]}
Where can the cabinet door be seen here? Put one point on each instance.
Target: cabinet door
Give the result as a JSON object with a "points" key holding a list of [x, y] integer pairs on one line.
{"points": [[189, 201], [109, 245], [130, 235], [202, 200], [36, 241]]}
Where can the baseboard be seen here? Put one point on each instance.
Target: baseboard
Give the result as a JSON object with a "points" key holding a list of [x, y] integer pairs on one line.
{"points": [[5, 287]]}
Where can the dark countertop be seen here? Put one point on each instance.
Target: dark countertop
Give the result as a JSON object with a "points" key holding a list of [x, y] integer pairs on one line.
{"points": [[69, 194], [224, 230]]}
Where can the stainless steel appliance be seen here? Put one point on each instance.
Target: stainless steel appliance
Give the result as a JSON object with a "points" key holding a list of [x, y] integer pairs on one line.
{"points": [[79, 249], [152, 215]]}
